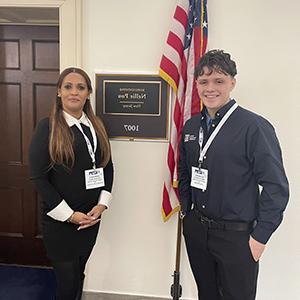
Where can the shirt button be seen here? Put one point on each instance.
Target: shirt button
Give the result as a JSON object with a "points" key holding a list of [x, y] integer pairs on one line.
{"points": [[213, 125], [217, 114], [204, 157], [203, 206]]}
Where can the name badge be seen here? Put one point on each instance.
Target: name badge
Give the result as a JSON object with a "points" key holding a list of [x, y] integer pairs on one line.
{"points": [[94, 178], [199, 178]]}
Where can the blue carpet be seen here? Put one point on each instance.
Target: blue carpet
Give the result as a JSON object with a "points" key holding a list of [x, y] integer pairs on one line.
{"points": [[25, 283]]}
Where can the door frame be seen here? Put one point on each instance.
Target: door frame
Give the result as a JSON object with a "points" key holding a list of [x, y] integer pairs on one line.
{"points": [[70, 27]]}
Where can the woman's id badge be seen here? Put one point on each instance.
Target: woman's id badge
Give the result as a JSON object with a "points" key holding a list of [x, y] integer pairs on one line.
{"points": [[199, 178], [94, 178]]}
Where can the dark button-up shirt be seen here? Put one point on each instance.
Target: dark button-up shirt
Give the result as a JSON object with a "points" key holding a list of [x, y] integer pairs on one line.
{"points": [[246, 178]]}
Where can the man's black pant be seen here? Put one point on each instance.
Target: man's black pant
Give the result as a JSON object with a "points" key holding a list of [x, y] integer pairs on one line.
{"points": [[69, 277], [221, 260]]}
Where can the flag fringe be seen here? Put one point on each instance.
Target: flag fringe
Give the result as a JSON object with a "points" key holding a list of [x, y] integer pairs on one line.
{"points": [[168, 79], [167, 217]]}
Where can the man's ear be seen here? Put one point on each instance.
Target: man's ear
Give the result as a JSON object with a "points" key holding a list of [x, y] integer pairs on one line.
{"points": [[233, 83]]}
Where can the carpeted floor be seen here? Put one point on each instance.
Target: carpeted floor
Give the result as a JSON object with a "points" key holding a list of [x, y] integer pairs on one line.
{"points": [[26, 283]]}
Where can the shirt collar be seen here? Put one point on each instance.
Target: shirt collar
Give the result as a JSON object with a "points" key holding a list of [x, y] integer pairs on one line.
{"points": [[221, 112], [72, 121], [208, 118]]}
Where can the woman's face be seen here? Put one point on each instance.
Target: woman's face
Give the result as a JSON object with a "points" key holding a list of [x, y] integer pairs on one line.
{"points": [[73, 92]]}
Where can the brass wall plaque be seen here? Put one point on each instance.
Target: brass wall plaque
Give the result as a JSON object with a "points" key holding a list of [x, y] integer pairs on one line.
{"points": [[133, 106]]}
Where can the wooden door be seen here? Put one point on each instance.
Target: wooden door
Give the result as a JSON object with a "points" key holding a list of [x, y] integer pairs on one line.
{"points": [[29, 68]]}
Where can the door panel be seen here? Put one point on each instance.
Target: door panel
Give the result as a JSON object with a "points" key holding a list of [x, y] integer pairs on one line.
{"points": [[9, 54], [43, 100], [29, 68]]}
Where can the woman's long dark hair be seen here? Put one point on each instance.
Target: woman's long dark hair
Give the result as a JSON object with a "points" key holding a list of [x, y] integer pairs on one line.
{"points": [[61, 137]]}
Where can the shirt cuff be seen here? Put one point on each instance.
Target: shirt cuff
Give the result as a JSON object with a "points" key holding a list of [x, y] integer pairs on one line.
{"points": [[261, 234], [62, 212], [105, 198]]}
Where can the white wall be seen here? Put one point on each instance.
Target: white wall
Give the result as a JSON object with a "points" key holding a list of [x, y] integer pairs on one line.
{"points": [[135, 252]]}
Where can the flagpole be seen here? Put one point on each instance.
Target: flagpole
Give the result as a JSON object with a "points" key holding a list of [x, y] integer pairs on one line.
{"points": [[176, 288], [186, 43]]}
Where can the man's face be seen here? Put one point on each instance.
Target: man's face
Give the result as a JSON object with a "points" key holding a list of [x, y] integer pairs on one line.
{"points": [[214, 89]]}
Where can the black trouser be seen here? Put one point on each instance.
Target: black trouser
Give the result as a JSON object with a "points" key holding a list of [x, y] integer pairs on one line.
{"points": [[69, 277], [221, 261]]}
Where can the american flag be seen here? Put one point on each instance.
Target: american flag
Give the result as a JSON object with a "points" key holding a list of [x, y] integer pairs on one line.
{"points": [[186, 43]]}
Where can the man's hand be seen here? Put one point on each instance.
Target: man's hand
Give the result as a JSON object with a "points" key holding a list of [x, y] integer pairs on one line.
{"points": [[256, 248]]}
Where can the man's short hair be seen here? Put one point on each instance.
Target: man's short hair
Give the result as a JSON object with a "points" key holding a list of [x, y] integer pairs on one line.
{"points": [[216, 60]]}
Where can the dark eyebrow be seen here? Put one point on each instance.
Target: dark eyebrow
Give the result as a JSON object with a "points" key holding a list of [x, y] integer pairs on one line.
{"points": [[80, 83]]}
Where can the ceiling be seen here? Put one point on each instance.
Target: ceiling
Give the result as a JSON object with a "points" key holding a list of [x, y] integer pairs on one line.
{"points": [[29, 15]]}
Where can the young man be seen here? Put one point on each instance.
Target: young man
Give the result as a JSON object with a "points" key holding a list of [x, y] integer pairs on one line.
{"points": [[226, 153]]}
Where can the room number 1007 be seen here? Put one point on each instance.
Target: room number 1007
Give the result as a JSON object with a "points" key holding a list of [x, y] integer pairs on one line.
{"points": [[131, 127]]}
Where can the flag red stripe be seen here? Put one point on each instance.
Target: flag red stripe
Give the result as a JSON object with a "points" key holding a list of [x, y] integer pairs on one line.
{"points": [[177, 114], [181, 16], [197, 44], [183, 72], [175, 42], [170, 68], [195, 102], [171, 161], [166, 205]]}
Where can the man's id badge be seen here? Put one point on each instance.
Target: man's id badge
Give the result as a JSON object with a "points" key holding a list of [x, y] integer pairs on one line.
{"points": [[94, 178], [199, 178]]}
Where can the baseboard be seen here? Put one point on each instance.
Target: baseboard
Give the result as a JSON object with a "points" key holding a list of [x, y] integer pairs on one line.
{"points": [[110, 296]]}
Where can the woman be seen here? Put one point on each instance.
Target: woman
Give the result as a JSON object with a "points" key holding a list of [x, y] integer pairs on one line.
{"points": [[71, 167]]}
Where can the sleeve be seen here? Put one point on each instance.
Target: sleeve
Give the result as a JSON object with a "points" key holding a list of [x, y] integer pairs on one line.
{"points": [[265, 155], [184, 178], [105, 195], [39, 162]]}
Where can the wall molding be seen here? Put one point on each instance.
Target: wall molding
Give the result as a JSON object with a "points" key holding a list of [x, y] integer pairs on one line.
{"points": [[70, 26]]}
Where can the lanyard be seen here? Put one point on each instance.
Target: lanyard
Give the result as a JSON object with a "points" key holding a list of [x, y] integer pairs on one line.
{"points": [[88, 143], [213, 135], [201, 137]]}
